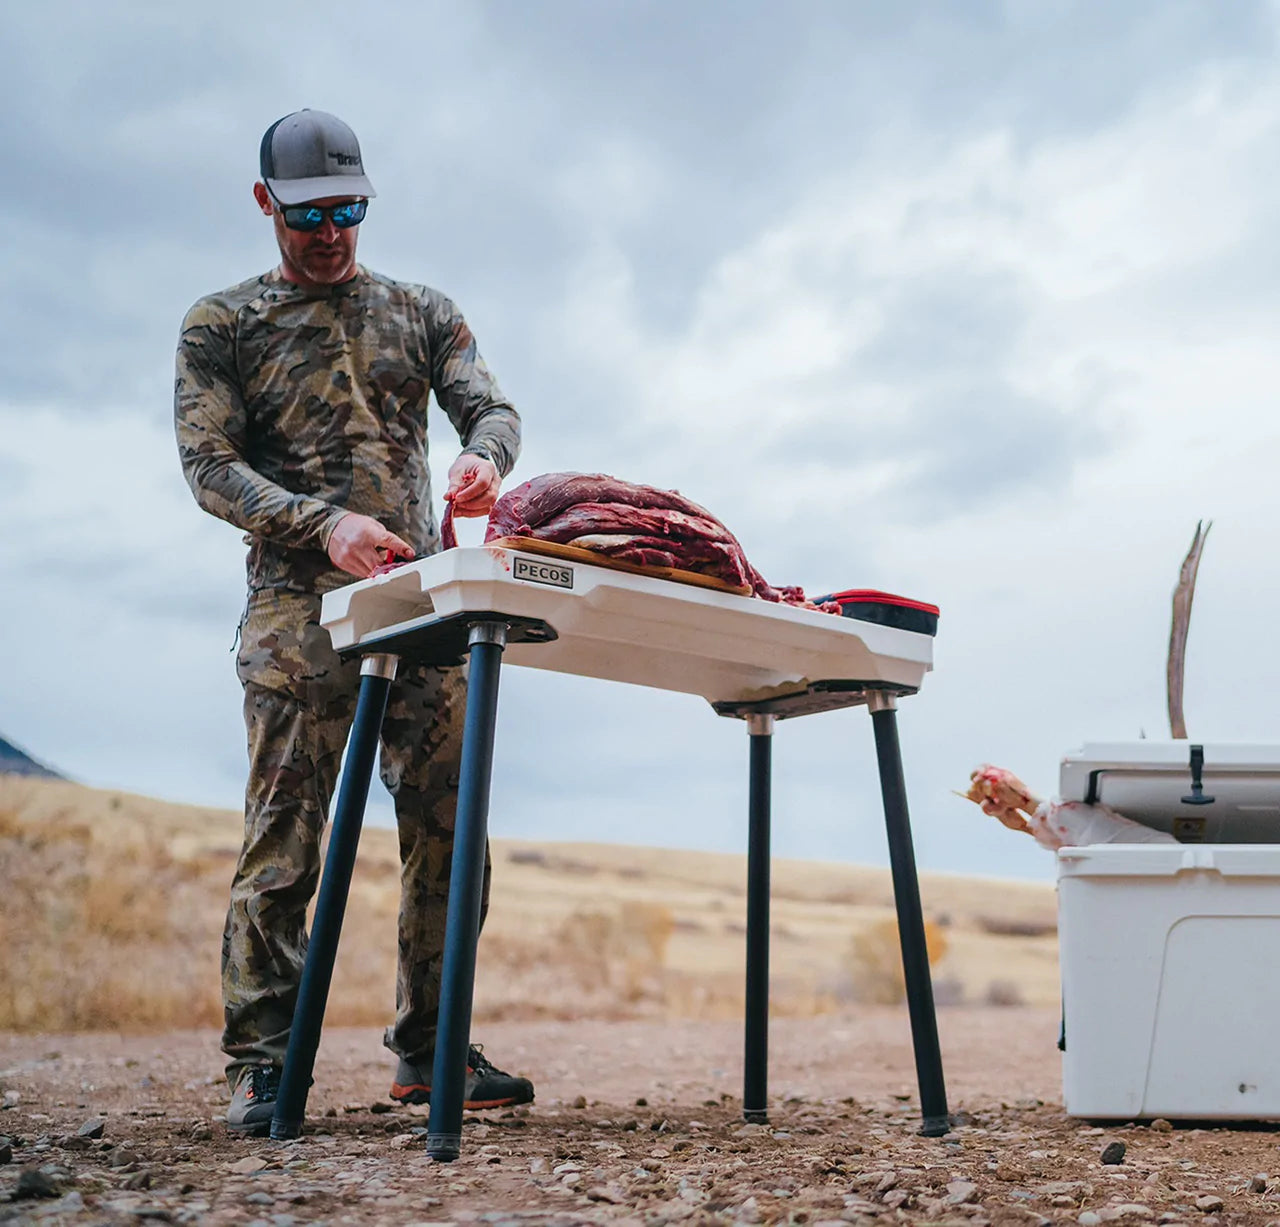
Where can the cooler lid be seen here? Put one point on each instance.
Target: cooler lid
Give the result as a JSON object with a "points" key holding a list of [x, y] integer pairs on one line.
{"points": [[1152, 782]]}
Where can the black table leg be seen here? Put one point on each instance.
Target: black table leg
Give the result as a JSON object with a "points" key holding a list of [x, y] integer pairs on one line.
{"points": [[376, 675], [906, 894], [755, 1078], [466, 889]]}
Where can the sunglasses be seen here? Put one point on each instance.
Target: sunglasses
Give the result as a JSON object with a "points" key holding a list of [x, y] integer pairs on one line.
{"points": [[311, 217]]}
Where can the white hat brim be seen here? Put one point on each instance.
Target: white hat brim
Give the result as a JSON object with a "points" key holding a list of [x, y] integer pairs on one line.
{"points": [[300, 191]]}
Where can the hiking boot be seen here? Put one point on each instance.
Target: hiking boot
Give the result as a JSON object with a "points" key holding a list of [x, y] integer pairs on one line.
{"points": [[487, 1086], [253, 1101]]}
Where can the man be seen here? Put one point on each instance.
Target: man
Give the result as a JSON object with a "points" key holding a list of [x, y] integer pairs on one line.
{"points": [[301, 417]]}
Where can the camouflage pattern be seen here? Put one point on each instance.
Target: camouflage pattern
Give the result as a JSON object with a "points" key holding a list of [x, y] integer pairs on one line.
{"points": [[299, 699], [292, 406]]}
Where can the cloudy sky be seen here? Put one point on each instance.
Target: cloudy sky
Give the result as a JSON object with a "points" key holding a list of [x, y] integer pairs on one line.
{"points": [[973, 302]]}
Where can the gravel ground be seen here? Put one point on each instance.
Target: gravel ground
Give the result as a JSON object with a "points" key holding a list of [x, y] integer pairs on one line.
{"points": [[635, 1122]]}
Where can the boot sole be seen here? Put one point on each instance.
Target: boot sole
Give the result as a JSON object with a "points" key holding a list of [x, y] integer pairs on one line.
{"points": [[257, 1129], [422, 1094]]}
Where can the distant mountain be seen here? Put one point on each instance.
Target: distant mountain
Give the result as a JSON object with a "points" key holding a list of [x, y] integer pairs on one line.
{"points": [[17, 762]]}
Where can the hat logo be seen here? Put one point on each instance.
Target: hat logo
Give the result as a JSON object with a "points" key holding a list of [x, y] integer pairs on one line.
{"points": [[345, 159]]}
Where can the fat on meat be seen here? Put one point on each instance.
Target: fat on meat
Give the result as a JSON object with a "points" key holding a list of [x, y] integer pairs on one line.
{"points": [[543, 498]]}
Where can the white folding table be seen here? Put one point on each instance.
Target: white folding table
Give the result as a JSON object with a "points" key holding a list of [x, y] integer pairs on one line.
{"points": [[750, 659]]}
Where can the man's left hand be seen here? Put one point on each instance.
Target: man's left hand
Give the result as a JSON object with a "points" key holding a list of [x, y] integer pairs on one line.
{"points": [[473, 485]]}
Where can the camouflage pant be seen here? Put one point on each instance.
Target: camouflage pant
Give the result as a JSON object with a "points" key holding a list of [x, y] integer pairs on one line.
{"points": [[299, 699]]}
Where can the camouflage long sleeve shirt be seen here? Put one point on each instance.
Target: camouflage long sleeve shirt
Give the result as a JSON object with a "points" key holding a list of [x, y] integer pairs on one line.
{"points": [[294, 406]]}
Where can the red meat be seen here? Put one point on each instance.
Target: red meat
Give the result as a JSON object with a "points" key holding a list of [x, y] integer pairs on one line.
{"points": [[642, 525]]}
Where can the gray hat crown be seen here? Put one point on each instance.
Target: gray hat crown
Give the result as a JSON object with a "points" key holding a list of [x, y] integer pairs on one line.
{"points": [[308, 155]]}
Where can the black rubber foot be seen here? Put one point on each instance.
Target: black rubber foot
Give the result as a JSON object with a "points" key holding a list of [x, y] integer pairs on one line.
{"points": [[444, 1147], [755, 1116], [284, 1131], [935, 1126]]}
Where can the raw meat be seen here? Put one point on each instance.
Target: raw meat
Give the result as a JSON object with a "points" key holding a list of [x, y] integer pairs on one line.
{"points": [[637, 524]]}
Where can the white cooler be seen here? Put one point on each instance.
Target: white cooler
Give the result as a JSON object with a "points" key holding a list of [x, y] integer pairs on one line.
{"points": [[1170, 954]]}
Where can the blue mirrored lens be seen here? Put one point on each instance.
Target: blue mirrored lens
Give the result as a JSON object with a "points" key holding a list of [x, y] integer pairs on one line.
{"points": [[303, 217], [349, 214]]}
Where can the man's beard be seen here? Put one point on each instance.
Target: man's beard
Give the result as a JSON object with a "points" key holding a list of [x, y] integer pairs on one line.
{"points": [[326, 268]]}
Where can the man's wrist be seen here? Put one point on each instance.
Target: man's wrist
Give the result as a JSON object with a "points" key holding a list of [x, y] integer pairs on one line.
{"points": [[326, 533]]}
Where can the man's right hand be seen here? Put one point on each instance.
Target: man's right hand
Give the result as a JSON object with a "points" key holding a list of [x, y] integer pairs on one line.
{"points": [[355, 541]]}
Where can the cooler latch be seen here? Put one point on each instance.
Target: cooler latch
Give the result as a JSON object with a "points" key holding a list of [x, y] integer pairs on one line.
{"points": [[1197, 795]]}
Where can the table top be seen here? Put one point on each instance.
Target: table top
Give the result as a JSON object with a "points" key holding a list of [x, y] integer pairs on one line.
{"points": [[604, 623]]}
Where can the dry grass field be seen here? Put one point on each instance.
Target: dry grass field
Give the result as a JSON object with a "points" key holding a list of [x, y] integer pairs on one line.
{"points": [[110, 916], [113, 909]]}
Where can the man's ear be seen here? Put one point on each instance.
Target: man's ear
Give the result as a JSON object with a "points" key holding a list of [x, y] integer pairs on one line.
{"points": [[263, 197]]}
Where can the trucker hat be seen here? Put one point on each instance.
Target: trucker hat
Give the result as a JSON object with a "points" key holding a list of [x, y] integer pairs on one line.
{"points": [[309, 155]]}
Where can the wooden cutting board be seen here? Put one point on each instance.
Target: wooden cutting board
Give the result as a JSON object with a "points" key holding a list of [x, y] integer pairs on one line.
{"points": [[575, 553]]}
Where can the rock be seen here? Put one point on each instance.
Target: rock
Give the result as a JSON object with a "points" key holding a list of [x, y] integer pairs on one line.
{"points": [[6, 1153], [536, 1165], [92, 1128], [610, 1194], [378, 1107], [157, 1214], [1210, 1203], [75, 1142], [894, 1198], [402, 1141], [1258, 1183], [580, 1102], [886, 1182], [642, 1102], [139, 1180], [1160, 1125], [1089, 1218], [248, 1165], [354, 1107], [122, 1156], [961, 1192], [201, 1133], [1113, 1153], [34, 1183], [1134, 1209], [260, 1199], [749, 1211]]}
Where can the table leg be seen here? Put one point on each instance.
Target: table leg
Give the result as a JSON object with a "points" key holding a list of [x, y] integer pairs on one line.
{"points": [[906, 894], [755, 1076], [466, 888], [376, 675]]}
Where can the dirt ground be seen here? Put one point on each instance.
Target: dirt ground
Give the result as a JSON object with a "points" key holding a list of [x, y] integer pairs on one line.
{"points": [[635, 1122]]}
